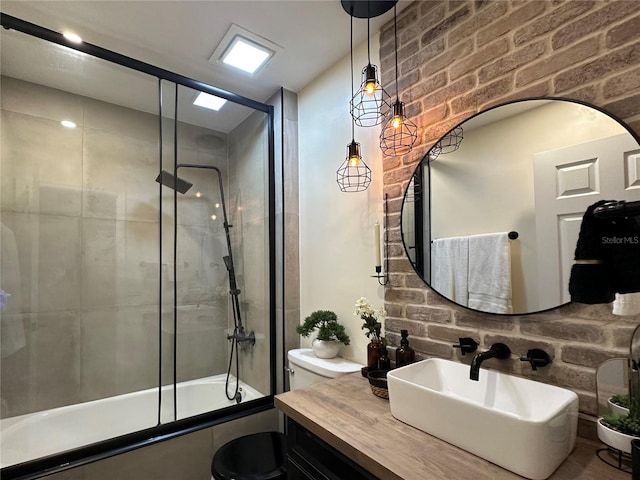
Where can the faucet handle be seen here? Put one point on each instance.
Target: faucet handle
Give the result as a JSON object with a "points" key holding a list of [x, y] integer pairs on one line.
{"points": [[537, 358], [466, 345]]}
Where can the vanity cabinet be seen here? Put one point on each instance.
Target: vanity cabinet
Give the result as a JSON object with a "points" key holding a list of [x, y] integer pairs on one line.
{"points": [[310, 458], [339, 430]]}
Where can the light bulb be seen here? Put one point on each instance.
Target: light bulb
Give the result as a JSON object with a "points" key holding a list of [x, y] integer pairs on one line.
{"points": [[354, 161], [370, 88], [396, 122], [217, 205], [213, 217], [198, 194]]}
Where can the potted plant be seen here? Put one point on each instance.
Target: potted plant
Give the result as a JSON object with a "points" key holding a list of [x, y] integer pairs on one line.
{"points": [[330, 333], [619, 404], [618, 429]]}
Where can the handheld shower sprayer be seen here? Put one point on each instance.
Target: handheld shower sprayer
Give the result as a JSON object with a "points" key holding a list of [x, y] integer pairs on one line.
{"points": [[233, 286]]}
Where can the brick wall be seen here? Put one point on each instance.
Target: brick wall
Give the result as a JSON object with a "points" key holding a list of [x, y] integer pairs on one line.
{"points": [[457, 58]]}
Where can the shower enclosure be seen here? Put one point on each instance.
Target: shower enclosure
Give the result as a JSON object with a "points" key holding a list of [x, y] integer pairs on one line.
{"points": [[137, 262]]}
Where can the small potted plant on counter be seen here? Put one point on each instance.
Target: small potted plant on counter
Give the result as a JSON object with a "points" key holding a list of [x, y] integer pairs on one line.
{"points": [[617, 431], [330, 333], [619, 428], [619, 404]]}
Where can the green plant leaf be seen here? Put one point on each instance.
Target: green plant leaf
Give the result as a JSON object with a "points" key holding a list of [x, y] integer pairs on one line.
{"points": [[326, 322], [623, 423]]}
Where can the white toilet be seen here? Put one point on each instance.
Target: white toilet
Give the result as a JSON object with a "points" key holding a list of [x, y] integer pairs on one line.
{"points": [[306, 369]]}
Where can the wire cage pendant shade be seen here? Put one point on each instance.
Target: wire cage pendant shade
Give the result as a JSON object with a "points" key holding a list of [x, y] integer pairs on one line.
{"points": [[399, 133], [451, 141], [353, 175], [434, 152], [371, 101]]}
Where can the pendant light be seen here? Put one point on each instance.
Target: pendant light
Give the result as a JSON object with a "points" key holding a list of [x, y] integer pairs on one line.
{"points": [[353, 175], [451, 141], [371, 101], [399, 134]]}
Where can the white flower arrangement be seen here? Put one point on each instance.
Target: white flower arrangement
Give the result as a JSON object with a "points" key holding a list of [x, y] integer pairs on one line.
{"points": [[373, 319]]}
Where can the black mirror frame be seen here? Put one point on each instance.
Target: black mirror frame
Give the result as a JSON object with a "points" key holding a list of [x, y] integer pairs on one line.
{"points": [[419, 164]]}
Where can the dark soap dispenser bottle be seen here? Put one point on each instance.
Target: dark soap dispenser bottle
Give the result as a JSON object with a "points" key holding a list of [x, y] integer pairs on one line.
{"points": [[384, 363], [404, 354]]}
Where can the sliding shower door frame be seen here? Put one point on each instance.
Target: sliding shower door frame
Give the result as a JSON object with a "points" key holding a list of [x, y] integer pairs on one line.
{"points": [[83, 455]]}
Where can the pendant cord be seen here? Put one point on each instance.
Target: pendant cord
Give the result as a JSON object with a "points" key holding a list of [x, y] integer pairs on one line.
{"points": [[353, 134], [395, 34], [368, 43]]}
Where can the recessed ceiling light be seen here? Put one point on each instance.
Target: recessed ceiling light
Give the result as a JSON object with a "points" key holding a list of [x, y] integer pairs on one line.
{"points": [[246, 55], [244, 50], [68, 124], [72, 37], [206, 100]]}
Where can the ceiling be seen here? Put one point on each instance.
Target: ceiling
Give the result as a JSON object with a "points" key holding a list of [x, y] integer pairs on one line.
{"points": [[181, 36]]}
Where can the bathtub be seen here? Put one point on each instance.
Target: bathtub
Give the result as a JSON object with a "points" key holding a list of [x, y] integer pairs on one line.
{"points": [[34, 435]]}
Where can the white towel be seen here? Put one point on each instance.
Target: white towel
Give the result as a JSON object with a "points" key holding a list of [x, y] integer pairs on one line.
{"points": [[490, 273], [627, 304], [449, 268]]}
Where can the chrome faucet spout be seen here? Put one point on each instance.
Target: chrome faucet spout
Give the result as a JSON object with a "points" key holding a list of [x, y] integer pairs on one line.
{"points": [[497, 350]]}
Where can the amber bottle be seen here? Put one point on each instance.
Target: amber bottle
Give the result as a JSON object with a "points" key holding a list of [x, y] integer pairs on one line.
{"points": [[384, 363], [404, 354]]}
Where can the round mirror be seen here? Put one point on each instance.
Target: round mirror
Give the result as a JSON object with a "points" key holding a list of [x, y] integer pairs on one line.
{"points": [[492, 214]]}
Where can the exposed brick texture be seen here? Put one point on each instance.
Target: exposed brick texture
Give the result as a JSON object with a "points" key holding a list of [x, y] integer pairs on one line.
{"points": [[548, 22], [593, 71], [515, 17], [459, 57], [557, 60], [605, 15]]}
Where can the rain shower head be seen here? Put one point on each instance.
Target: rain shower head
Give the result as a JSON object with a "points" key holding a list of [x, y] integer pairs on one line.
{"points": [[168, 180]]}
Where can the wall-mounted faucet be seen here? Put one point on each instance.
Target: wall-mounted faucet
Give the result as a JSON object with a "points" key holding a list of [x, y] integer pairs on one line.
{"points": [[466, 345], [497, 350]]}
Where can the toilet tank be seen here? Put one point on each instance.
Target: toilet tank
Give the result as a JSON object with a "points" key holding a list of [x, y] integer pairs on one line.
{"points": [[306, 369]]}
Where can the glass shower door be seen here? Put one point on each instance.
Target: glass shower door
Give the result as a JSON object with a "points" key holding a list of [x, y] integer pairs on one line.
{"points": [[218, 218], [79, 243], [136, 268]]}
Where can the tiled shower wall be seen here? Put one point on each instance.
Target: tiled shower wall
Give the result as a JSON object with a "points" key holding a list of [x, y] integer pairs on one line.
{"points": [[80, 219], [457, 58]]}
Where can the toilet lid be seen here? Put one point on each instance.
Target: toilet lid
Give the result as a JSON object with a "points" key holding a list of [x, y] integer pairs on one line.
{"points": [[259, 455], [327, 367]]}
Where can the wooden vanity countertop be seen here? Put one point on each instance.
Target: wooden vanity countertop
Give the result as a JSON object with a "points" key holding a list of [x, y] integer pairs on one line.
{"points": [[345, 414]]}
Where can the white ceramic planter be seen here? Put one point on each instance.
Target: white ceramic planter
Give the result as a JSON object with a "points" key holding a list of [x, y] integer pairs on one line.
{"points": [[615, 408], [325, 348], [615, 439]]}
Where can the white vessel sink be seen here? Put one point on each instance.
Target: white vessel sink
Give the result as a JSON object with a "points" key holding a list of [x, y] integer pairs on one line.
{"points": [[524, 426]]}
